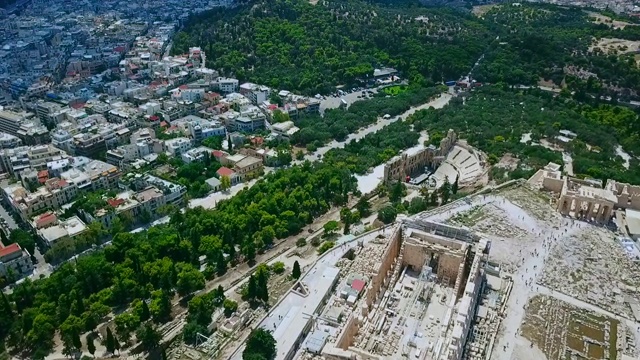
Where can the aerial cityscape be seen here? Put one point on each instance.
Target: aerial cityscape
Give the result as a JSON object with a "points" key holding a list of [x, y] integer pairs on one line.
{"points": [[320, 179]]}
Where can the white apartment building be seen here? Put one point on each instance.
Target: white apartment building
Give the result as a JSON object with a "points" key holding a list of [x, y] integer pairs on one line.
{"points": [[284, 129], [178, 146], [187, 94], [11, 121], [8, 141], [54, 231], [196, 154], [13, 161], [62, 139], [227, 85], [257, 94], [150, 108], [44, 110]]}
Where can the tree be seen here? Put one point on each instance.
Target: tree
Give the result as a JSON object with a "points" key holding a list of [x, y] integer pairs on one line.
{"points": [[279, 116], [221, 264], [262, 286], [91, 347], [277, 267], [189, 280], [398, 190], [218, 296], [249, 252], [260, 342], [230, 307], [251, 289], [325, 247], [149, 337], [416, 205], [110, 342], [330, 227], [301, 242], [346, 217], [68, 348], [363, 207], [160, 306], [433, 198], [445, 191], [126, 323], [454, 187], [388, 214], [191, 330], [225, 183], [24, 239], [144, 315], [296, 272]]}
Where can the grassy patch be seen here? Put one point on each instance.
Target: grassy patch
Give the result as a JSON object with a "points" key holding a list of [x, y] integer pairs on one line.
{"points": [[394, 90]]}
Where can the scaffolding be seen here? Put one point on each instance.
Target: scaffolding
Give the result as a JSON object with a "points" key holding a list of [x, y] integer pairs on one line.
{"points": [[452, 232], [208, 345]]}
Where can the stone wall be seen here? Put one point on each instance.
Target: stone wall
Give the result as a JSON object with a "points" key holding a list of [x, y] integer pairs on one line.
{"points": [[449, 266], [399, 167], [384, 267]]}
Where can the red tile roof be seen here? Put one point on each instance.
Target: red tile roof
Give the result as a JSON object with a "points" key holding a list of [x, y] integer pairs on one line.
{"points": [[78, 106], [225, 171], [115, 202], [217, 153], [7, 250], [46, 217], [183, 87], [357, 285], [258, 140]]}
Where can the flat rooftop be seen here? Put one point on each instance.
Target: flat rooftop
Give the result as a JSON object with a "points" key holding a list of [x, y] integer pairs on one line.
{"points": [[289, 318]]}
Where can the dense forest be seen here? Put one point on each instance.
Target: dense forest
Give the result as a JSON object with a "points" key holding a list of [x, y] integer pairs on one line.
{"points": [[307, 48], [555, 44], [496, 121], [152, 265]]}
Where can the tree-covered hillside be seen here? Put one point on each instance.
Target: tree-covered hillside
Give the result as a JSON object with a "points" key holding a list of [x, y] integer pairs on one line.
{"points": [[495, 121], [556, 44], [298, 46]]}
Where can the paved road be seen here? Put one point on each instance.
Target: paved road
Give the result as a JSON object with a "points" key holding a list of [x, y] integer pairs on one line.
{"points": [[437, 103], [11, 223], [568, 163], [332, 102]]}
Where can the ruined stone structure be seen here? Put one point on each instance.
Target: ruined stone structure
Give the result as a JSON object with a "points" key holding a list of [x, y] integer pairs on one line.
{"points": [[452, 257], [583, 200], [401, 166], [374, 289], [627, 195], [446, 256], [586, 199]]}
